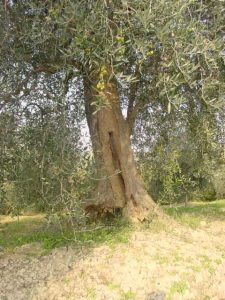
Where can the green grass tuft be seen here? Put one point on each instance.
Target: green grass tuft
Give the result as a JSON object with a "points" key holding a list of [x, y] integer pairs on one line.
{"points": [[128, 295], [178, 287]]}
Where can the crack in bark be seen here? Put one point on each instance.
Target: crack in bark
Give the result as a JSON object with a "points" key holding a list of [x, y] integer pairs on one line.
{"points": [[116, 161], [133, 200]]}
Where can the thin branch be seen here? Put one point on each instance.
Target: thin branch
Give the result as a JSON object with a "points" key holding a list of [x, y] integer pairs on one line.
{"points": [[133, 114], [45, 69], [132, 108], [4, 2]]}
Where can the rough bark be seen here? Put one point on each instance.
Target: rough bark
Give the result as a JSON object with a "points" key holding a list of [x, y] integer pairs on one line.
{"points": [[119, 186]]}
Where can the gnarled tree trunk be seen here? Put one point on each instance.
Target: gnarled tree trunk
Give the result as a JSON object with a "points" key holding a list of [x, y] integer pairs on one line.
{"points": [[119, 186]]}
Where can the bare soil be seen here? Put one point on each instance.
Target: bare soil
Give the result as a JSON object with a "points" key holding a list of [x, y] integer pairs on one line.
{"points": [[184, 263]]}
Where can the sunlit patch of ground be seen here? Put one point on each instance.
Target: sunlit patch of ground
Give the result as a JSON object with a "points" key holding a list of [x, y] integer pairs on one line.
{"points": [[9, 219], [186, 261]]}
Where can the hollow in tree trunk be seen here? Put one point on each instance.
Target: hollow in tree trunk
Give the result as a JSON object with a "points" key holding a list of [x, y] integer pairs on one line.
{"points": [[119, 186]]}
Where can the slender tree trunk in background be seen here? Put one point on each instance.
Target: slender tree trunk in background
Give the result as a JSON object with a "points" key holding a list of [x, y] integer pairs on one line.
{"points": [[119, 186]]}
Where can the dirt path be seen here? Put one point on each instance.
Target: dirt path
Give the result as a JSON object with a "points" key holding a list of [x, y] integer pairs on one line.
{"points": [[185, 264]]}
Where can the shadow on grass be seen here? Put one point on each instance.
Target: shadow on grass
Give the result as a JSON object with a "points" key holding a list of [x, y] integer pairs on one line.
{"points": [[196, 212], [33, 230]]}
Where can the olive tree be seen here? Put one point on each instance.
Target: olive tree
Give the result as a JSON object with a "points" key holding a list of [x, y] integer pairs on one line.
{"points": [[127, 54]]}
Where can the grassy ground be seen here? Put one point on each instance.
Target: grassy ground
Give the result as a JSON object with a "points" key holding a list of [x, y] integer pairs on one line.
{"points": [[196, 213], [16, 232], [185, 259]]}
